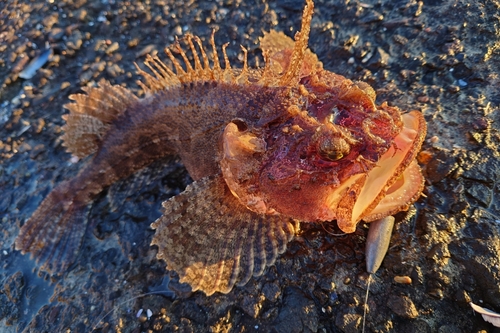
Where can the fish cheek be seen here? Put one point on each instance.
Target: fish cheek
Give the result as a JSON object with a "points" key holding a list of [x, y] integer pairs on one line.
{"points": [[300, 196], [242, 152]]}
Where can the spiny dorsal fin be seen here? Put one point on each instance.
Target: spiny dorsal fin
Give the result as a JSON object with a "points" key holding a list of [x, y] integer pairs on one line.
{"points": [[213, 242], [280, 48], [292, 74], [183, 72], [90, 116], [163, 77]]}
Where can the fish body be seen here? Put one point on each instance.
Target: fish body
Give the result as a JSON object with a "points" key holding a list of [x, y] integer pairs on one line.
{"points": [[266, 148]]}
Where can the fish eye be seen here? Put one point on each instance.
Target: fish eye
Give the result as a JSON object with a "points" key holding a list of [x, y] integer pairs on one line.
{"points": [[333, 148], [241, 124]]}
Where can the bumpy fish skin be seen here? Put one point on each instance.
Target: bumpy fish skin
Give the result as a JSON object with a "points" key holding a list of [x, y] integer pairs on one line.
{"points": [[267, 148]]}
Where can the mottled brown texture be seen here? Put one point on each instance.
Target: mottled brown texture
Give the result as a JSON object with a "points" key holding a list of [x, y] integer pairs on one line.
{"points": [[266, 148]]}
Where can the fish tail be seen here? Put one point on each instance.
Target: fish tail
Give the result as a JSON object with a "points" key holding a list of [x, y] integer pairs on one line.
{"points": [[54, 233]]}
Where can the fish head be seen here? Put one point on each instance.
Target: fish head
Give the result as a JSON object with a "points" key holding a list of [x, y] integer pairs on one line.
{"points": [[337, 156]]}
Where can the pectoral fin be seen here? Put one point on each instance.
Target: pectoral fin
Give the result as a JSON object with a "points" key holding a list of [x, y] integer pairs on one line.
{"points": [[213, 242]]}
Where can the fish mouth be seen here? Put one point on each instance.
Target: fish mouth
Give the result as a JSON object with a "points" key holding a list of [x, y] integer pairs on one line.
{"points": [[390, 187]]}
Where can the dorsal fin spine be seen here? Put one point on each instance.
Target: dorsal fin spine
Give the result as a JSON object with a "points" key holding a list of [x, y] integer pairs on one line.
{"points": [[217, 69], [147, 77], [166, 72], [178, 68], [206, 63], [265, 79], [180, 50], [148, 62], [228, 75], [197, 63], [244, 72], [291, 76]]}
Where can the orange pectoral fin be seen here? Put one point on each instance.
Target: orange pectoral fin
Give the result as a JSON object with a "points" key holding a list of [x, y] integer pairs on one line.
{"points": [[213, 242]]}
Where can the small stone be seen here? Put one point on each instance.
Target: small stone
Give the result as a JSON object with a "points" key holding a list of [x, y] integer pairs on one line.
{"points": [[402, 279], [436, 293], [74, 42], [56, 34], [372, 17], [402, 306], [24, 147], [114, 70], [133, 42], [423, 99], [65, 85], [39, 125], [148, 49], [379, 59], [251, 306], [112, 48], [349, 322], [178, 30], [271, 291]]}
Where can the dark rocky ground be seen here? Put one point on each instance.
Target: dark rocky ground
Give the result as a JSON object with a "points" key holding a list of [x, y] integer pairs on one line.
{"points": [[438, 56]]}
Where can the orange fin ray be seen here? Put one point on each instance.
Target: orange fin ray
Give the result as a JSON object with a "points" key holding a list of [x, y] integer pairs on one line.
{"points": [[186, 73], [292, 74], [213, 242]]}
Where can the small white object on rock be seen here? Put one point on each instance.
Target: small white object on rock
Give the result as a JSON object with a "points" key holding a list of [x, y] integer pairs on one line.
{"points": [[488, 315]]}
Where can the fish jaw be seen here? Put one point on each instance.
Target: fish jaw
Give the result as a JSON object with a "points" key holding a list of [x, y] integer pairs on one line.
{"points": [[396, 181]]}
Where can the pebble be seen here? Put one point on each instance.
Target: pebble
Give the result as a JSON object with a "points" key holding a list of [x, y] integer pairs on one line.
{"points": [[402, 306], [112, 48], [402, 279], [75, 41], [56, 34], [251, 305], [271, 291], [349, 322], [149, 49], [114, 70], [379, 59], [436, 293], [372, 17]]}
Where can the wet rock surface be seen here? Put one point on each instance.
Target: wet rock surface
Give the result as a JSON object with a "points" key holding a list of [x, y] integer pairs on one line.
{"points": [[440, 57]]}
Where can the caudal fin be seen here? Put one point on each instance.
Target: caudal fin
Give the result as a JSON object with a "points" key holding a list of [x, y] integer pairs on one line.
{"points": [[54, 232]]}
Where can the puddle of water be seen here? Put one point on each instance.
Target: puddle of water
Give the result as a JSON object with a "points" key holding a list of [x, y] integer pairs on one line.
{"points": [[36, 291]]}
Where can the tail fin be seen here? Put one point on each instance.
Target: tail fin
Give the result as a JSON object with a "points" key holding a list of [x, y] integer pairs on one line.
{"points": [[213, 242], [54, 232]]}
